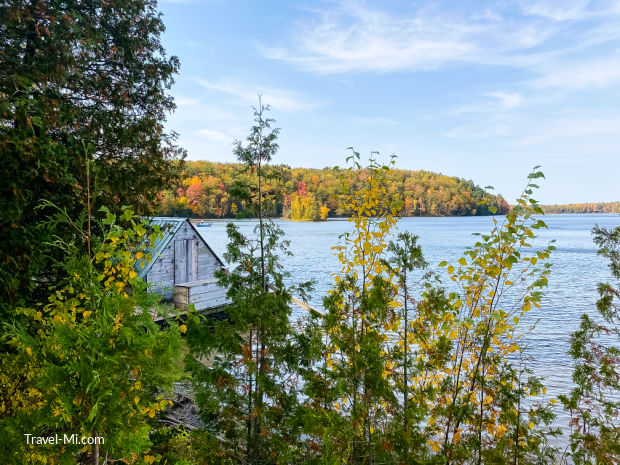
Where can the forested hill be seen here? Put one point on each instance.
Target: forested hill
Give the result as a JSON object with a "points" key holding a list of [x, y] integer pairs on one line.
{"points": [[216, 190], [606, 207]]}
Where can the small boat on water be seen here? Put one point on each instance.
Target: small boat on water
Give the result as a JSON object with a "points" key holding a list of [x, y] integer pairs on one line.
{"points": [[205, 224]]}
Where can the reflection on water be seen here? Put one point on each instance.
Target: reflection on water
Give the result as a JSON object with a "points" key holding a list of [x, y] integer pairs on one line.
{"points": [[572, 285]]}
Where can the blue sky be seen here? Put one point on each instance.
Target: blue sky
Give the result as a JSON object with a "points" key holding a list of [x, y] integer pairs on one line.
{"points": [[480, 90]]}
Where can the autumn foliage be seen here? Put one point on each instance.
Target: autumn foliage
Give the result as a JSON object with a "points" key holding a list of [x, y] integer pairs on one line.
{"points": [[217, 190]]}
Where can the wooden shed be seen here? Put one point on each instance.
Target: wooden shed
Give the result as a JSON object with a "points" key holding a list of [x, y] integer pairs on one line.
{"points": [[183, 266]]}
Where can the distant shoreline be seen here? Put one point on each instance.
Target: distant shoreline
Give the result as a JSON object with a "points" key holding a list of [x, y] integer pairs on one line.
{"points": [[582, 208]]}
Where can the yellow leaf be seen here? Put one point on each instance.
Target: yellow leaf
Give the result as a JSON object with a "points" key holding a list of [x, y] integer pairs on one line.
{"points": [[152, 413]]}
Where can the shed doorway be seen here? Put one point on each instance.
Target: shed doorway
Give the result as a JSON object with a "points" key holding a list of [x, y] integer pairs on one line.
{"points": [[185, 260]]}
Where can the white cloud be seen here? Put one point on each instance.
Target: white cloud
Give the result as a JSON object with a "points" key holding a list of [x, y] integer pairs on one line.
{"points": [[508, 99], [549, 39], [356, 38], [566, 131], [214, 136], [279, 99], [557, 10], [496, 102], [584, 74]]}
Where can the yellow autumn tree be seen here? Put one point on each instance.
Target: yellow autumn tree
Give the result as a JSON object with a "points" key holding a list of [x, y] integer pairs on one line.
{"points": [[480, 412], [90, 359], [351, 396]]}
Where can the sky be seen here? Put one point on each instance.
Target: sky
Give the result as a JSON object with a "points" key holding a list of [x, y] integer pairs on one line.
{"points": [[479, 90]]}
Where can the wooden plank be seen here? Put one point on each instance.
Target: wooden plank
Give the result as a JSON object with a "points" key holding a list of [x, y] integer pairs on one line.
{"points": [[180, 262], [200, 291], [180, 295], [207, 297], [209, 304], [192, 260], [192, 284], [213, 288], [305, 306]]}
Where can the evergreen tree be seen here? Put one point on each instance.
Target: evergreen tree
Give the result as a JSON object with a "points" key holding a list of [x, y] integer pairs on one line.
{"points": [[77, 74], [406, 257], [595, 401], [261, 146], [247, 393]]}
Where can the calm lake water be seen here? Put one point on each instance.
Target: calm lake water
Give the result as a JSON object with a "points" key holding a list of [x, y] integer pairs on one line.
{"points": [[572, 285]]}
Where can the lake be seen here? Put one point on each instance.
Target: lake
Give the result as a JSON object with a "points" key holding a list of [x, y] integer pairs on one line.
{"points": [[572, 285]]}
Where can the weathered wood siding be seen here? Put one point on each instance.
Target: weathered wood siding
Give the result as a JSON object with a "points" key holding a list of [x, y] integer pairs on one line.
{"points": [[184, 259], [203, 294]]}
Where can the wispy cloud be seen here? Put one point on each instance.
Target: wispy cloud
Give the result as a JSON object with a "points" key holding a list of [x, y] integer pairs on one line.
{"points": [[279, 99], [507, 99], [557, 10], [581, 74], [352, 37], [356, 38], [566, 131], [491, 102], [214, 136]]}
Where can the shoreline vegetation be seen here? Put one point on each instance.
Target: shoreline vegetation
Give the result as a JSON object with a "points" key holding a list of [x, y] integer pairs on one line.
{"points": [[229, 190], [597, 207], [213, 190]]}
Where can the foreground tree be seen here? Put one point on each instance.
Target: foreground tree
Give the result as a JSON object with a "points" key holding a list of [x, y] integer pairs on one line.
{"points": [[261, 146], [77, 74], [594, 404], [481, 413], [350, 398], [244, 368], [247, 392], [405, 257], [89, 360]]}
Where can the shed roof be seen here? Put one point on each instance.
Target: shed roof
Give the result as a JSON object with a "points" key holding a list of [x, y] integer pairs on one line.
{"points": [[169, 226]]}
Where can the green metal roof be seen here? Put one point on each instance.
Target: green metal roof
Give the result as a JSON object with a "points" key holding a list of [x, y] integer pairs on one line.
{"points": [[169, 227]]}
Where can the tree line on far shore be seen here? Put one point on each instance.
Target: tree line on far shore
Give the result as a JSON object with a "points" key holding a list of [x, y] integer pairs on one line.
{"points": [[229, 190], [605, 207]]}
